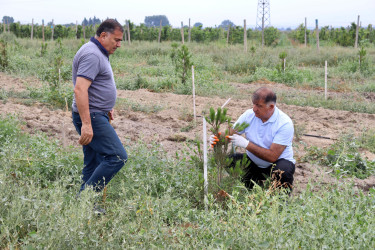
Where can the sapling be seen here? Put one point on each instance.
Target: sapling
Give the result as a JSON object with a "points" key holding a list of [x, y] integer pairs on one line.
{"points": [[220, 149], [282, 57], [361, 53]]}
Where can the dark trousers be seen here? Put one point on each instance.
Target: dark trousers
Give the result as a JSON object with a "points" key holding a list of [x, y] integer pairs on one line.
{"points": [[104, 156], [280, 171]]}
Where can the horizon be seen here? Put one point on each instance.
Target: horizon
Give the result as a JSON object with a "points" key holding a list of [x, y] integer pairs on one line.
{"points": [[210, 13]]}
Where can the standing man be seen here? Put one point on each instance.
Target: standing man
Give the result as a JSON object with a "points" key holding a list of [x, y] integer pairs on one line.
{"points": [[268, 141], [94, 98]]}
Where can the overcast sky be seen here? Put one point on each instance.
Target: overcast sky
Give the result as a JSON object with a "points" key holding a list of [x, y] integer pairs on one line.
{"points": [[284, 13]]}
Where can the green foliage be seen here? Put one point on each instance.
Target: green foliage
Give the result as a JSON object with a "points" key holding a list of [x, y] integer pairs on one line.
{"points": [[34, 159], [271, 36], [345, 158], [181, 58], [4, 59], [299, 34], [156, 202]]}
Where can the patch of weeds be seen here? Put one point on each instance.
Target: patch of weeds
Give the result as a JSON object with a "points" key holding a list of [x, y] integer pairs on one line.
{"points": [[137, 107], [367, 140], [345, 158], [290, 76], [188, 127]]}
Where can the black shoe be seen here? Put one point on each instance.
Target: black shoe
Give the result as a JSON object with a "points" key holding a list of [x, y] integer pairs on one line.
{"points": [[98, 210]]}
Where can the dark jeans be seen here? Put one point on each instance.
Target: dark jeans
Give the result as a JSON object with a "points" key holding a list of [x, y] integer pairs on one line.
{"points": [[280, 171], [104, 156]]}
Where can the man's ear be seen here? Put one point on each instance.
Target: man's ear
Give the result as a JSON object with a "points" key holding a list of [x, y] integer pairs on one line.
{"points": [[271, 106], [103, 34]]}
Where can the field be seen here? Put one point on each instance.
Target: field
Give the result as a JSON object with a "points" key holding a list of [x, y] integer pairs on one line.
{"points": [[156, 201]]}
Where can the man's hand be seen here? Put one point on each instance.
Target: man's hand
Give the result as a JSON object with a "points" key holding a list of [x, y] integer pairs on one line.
{"points": [[110, 114], [239, 141], [86, 134], [213, 140]]}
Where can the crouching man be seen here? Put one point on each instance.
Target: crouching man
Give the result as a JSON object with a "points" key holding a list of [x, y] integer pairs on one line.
{"points": [[268, 142]]}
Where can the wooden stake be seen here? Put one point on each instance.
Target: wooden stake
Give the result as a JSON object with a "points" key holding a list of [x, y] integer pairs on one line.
{"points": [[32, 29], [317, 34], [189, 31], [4, 26], [305, 32], [228, 34], [356, 34], [193, 80], [127, 22], [53, 29], [244, 36], [84, 31], [205, 163], [43, 30], [76, 29], [8, 24], [225, 103], [284, 61], [182, 33], [159, 31], [325, 80]]}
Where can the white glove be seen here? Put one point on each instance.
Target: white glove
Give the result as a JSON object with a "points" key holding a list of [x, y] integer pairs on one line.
{"points": [[239, 141], [212, 140]]}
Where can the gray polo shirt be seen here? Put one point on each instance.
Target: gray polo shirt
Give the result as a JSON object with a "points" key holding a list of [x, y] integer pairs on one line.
{"points": [[92, 62]]}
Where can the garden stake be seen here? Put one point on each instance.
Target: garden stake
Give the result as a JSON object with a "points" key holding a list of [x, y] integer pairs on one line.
{"points": [[205, 162]]}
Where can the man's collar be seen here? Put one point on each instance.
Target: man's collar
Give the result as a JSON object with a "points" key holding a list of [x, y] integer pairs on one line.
{"points": [[273, 116], [100, 46]]}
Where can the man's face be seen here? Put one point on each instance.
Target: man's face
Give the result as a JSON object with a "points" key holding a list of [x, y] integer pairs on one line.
{"points": [[262, 110], [111, 41]]}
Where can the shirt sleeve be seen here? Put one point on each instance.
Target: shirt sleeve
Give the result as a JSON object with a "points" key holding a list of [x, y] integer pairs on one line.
{"points": [[88, 66], [243, 118], [284, 136]]}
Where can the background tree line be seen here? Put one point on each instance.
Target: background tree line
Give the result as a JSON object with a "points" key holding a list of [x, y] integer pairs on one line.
{"points": [[340, 36], [149, 31]]}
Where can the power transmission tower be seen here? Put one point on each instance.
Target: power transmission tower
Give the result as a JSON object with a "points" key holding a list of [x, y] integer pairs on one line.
{"points": [[263, 14]]}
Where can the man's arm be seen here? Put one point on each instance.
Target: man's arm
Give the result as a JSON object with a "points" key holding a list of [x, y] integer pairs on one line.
{"points": [[82, 101], [270, 155]]}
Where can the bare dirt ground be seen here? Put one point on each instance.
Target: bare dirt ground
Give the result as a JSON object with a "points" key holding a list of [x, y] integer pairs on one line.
{"points": [[161, 118]]}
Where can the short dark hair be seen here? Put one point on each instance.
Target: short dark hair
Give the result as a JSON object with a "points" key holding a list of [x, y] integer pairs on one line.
{"points": [[109, 25], [265, 94]]}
